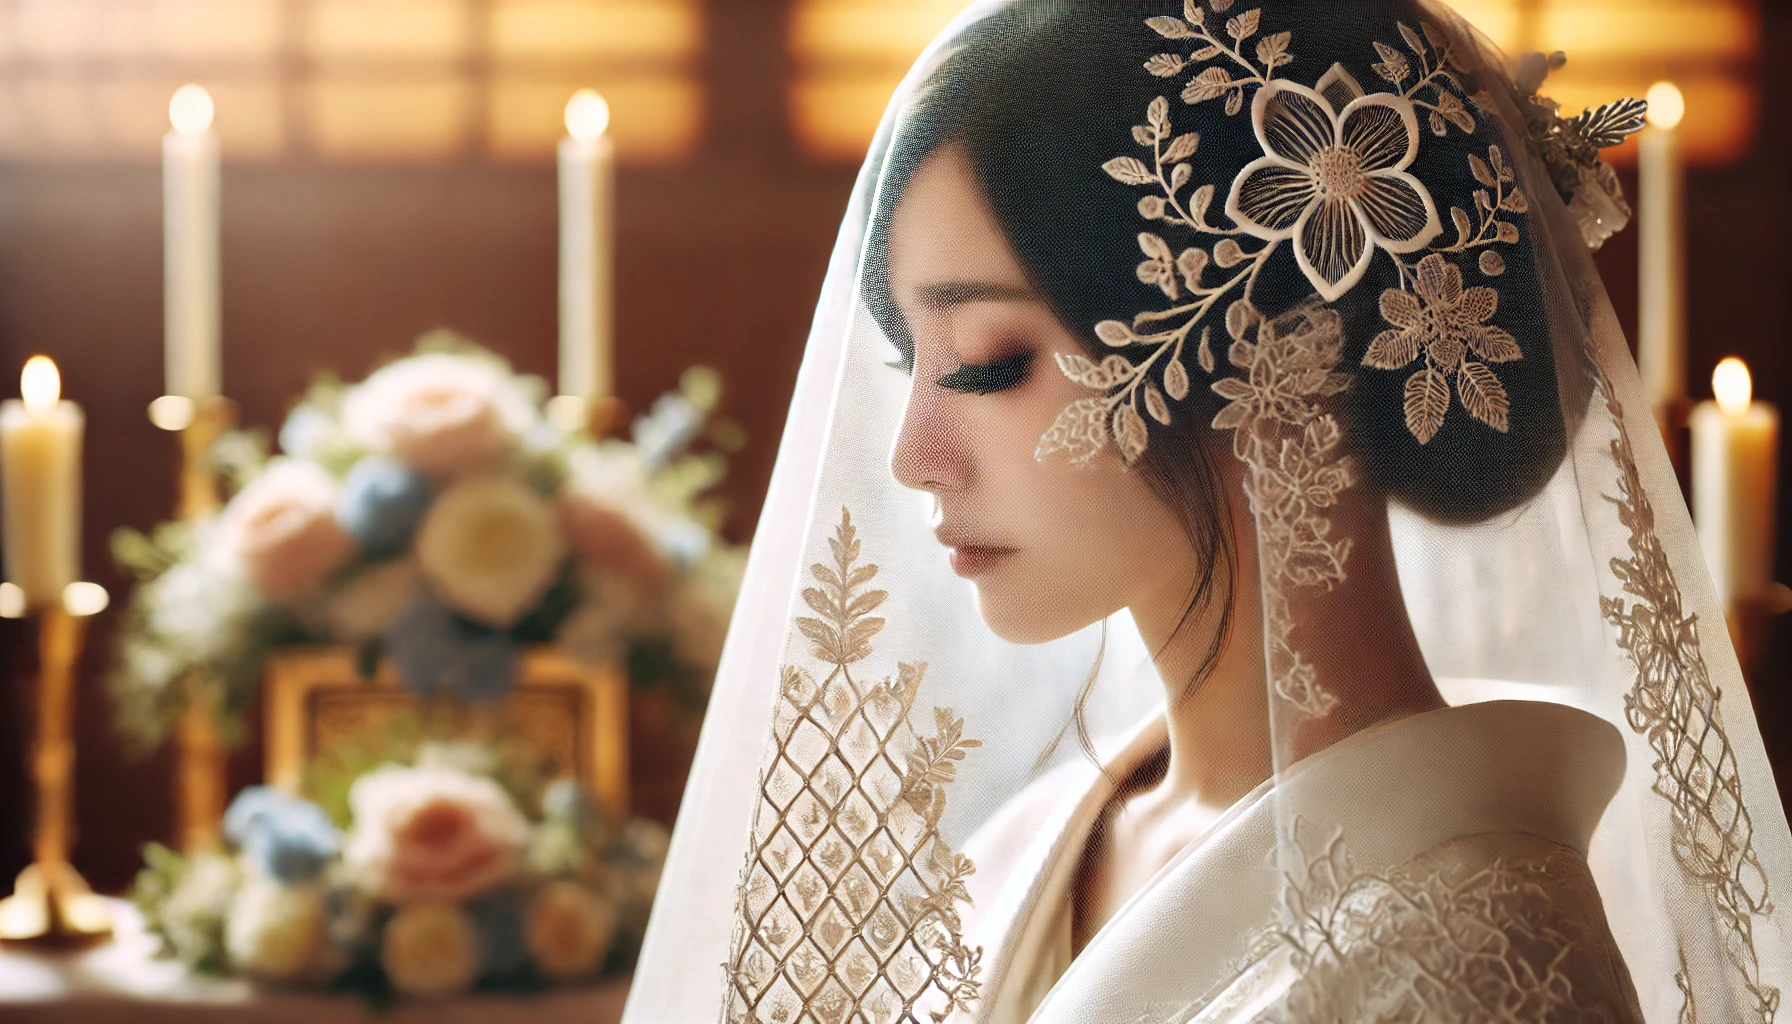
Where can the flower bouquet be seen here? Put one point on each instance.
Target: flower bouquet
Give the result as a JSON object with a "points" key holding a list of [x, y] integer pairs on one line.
{"points": [[435, 881], [432, 515]]}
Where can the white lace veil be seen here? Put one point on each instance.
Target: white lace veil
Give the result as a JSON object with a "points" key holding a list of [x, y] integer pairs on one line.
{"points": [[1437, 338]]}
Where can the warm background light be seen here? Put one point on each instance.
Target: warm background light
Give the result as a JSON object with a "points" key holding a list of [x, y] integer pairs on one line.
{"points": [[12, 601], [172, 412], [1732, 386], [190, 110], [587, 115], [1667, 105], [84, 599], [40, 385], [349, 81], [849, 56]]}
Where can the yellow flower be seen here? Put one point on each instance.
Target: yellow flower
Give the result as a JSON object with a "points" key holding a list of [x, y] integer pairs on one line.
{"points": [[569, 930], [491, 547], [429, 950], [274, 930]]}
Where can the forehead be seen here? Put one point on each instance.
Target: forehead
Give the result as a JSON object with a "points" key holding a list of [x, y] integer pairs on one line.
{"points": [[943, 230]]}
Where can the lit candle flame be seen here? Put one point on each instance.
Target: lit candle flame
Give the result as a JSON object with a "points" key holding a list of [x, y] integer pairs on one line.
{"points": [[40, 385], [587, 115], [1667, 105], [1732, 385], [190, 111]]}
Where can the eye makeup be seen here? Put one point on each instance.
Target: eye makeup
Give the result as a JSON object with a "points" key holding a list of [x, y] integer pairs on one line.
{"points": [[989, 378]]}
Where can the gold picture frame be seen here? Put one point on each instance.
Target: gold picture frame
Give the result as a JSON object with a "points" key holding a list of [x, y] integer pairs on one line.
{"points": [[574, 715]]}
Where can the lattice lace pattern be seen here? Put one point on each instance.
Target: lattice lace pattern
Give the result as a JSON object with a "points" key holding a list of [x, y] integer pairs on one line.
{"points": [[1675, 706], [849, 906]]}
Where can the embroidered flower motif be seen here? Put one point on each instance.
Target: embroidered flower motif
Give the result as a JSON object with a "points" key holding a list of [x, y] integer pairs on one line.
{"points": [[1334, 180], [1445, 323]]}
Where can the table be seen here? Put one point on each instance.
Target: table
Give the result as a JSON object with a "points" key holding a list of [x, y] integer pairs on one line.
{"points": [[122, 982]]}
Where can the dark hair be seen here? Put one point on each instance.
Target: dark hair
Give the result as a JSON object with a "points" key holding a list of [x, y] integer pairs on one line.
{"points": [[1043, 92]]}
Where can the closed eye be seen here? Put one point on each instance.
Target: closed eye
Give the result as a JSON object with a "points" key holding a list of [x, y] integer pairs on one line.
{"points": [[989, 378]]}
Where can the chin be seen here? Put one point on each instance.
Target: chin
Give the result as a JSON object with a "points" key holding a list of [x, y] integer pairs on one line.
{"points": [[1028, 615]]}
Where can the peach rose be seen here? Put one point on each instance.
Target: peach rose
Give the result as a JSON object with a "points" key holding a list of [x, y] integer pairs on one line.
{"points": [[607, 521], [438, 413], [283, 531], [431, 835]]}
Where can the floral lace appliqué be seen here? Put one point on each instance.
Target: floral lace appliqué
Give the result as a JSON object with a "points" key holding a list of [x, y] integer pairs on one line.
{"points": [[1435, 940], [1294, 449], [1333, 183], [849, 908]]}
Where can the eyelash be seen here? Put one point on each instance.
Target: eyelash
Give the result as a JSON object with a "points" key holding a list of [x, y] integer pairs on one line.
{"points": [[989, 378]]}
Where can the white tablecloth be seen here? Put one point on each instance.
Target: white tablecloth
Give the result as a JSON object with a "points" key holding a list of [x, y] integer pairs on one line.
{"points": [[122, 982]]}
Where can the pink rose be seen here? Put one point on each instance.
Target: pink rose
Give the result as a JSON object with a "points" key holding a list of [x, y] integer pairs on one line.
{"points": [[432, 834], [604, 534], [283, 530], [438, 413]]}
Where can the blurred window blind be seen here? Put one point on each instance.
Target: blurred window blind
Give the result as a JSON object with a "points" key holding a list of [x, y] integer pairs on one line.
{"points": [[348, 80], [849, 55]]}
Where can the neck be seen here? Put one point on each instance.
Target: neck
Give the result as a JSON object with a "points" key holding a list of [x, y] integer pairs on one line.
{"points": [[1356, 636]]}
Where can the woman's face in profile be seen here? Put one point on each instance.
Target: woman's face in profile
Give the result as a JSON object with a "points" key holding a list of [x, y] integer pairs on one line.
{"points": [[1051, 547]]}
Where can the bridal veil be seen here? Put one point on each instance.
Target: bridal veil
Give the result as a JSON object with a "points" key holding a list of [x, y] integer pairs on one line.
{"points": [[1351, 242]]}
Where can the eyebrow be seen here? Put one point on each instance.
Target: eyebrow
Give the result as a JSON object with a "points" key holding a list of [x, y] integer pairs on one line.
{"points": [[958, 293]]}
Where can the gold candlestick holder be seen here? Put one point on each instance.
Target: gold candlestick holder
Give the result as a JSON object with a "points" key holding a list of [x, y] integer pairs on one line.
{"points": [[200, 756], [51, 904]]}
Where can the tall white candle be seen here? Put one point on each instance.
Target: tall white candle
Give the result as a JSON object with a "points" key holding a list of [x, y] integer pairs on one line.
{"points": [[1735, 453], [190, 247], [1661, 258], [587, 215], [40, 459]]}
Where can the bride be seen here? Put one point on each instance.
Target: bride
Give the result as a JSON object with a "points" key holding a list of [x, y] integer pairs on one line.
{"points": [[1274, 440]]}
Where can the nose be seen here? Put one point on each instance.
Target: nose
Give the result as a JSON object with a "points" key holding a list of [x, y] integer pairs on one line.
{"points": [[929, 454]]}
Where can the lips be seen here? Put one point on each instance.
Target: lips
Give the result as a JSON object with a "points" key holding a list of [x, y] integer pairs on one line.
{"points": [[970, 558]]}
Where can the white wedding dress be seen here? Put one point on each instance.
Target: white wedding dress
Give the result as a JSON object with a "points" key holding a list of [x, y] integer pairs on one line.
{"points": [[1469, 827]]}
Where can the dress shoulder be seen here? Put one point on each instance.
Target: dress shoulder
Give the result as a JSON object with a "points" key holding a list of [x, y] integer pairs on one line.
{"points": [[1492, 927]]}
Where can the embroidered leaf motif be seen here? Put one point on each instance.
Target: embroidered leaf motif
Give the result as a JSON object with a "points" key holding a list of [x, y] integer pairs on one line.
{"points": [[1483, 396], [1394, 66], [1080, 431], [1210, 83], [1234, 103], [1272, 50], [1482, 172], [1244, 25], [1115, 334], [1492, 263], [1170, 28], [1130, 433], [1219, 6], [1515, 202], [1192, 263], [1181, 148], [1392, 350], [1165, 65], [1228, 254], [1611, 124], [1427, 400], [1155, 404], [1176, 376], [1204, 354], [1158, 115], [1241, 316], [1412, 39], [1083, 370], [1130, 170], [1495, 345], [1191, 9], [1152, 207], [1464, 227]]}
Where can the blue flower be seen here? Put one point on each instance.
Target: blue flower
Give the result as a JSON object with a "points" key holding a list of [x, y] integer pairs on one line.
{"points": [[291, 839], [498, 923], [438, 653], [381, 503]]}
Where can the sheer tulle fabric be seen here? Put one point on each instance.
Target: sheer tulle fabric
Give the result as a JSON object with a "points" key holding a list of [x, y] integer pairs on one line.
{"points": [[868, 833]]}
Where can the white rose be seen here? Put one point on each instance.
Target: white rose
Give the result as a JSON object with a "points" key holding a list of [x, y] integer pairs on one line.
{"points": [[274, 930], [429, 950], [440, 413], [431, 834], [368, 603], [569, 929], [491, 547]]}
